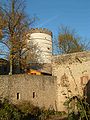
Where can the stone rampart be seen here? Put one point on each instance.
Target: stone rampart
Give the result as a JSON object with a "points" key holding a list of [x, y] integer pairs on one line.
{"points": [[40, 90], [78, 57], [73, 74]]}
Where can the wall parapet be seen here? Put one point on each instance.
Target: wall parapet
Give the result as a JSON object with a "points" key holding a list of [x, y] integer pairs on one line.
{"points": [[40, 30], [72, 58]]}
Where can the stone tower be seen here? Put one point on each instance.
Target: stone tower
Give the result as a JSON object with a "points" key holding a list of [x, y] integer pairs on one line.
{"points": [[43, 39]]}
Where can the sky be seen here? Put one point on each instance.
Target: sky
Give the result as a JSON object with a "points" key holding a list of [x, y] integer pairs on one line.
{"points": [[54, 13]]}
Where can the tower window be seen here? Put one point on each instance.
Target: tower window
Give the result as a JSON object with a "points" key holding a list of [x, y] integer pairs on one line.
{"points": [[48, 48], [18, 96], [33, 94]]}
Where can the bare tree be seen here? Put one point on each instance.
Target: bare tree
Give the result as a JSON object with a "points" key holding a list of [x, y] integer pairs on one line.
{"points": [[15, 31], [2, 23], [69, 41]]}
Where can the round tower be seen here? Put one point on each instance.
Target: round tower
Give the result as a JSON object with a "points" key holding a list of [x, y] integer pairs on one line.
{"points": [[43, 39]]}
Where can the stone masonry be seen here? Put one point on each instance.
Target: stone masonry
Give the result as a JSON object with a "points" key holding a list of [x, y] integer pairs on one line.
{"points": [[72, 73], [39, 90]]}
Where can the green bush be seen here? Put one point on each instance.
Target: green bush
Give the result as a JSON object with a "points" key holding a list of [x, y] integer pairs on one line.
{"points": [[25, 111], [8, 111], [80, 110]]}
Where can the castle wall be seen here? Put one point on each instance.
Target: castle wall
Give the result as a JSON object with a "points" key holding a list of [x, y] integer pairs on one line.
{"points": [[72, 76], [40, 90], [73, 73]]}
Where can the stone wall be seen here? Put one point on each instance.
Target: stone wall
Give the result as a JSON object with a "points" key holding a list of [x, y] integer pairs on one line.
{"points": [[40, 90], [73, 73]]}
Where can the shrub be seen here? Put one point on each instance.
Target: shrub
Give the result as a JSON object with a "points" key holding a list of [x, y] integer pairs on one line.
{"points": [[8, 111]]}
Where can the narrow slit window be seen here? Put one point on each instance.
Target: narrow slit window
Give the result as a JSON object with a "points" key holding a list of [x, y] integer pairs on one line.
{"points": [[18, 96], [33, 94], [48, 48]]}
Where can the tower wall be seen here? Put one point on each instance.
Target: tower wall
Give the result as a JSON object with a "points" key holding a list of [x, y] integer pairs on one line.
{"points": [[43, 39]]}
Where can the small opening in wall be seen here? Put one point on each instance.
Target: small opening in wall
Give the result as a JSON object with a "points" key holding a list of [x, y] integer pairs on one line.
{"points": [[18, 96], [33, 73], [33, 94], [48, 48]]}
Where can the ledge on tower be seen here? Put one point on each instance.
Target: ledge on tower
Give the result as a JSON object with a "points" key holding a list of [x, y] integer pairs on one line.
{"points": [[40, 30]]}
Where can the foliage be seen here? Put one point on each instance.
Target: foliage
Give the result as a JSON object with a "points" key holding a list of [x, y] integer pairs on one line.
{"points": [[8, 111], [68, 41], [80, 108], [25, 111], [15, 31], [46, 113], [50, 114], [2, 23], [28, 108]]}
